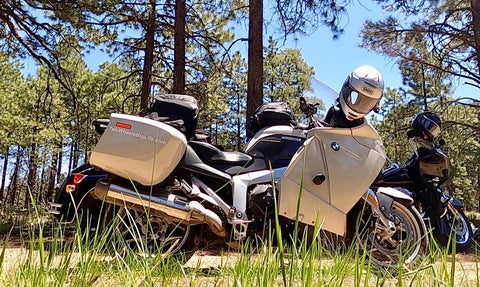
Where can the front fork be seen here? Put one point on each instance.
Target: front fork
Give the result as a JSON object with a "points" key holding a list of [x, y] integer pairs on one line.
{"points": [[450, 207], [381, 202], [382, 212]]}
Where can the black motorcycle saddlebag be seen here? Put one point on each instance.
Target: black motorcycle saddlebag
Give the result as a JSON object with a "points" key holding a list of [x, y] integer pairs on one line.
{"points": [[178, 111], [272, 114]]}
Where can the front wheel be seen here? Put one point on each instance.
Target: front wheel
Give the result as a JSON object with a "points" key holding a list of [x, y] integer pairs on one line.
{"points": [[391, 246], [457, 227]]}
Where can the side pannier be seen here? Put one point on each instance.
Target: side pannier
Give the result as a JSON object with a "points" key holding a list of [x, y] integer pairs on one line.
{"points": [[178, 111], [272, 114]]}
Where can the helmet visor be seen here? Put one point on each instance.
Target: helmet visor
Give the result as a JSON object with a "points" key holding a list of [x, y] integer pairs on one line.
{"points": [[430, 126], [359, 102]]}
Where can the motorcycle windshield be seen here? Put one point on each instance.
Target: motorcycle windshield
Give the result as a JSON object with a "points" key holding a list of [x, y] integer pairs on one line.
{"points": [[320, 90]]}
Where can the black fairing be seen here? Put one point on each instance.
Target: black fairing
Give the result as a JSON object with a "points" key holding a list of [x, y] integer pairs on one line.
{"points": [[394, 176], [433, 163], [417, 171]]}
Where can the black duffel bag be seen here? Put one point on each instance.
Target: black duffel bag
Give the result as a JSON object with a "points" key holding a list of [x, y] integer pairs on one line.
{"points": [[272, 114], [179, 111]]}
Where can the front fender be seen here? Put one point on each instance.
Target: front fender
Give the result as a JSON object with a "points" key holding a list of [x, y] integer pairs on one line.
{"points": [[394, 193], [381, 201]]}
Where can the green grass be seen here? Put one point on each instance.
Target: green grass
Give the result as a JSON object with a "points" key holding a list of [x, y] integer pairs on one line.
{"points": [[99, 259]]}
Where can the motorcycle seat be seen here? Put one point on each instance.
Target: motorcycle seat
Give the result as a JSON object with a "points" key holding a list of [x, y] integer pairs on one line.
{"points": [[211, 154]]}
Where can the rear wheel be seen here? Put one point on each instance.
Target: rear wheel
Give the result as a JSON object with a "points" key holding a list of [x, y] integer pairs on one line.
{"points": [[154, 234], [402, 243]]}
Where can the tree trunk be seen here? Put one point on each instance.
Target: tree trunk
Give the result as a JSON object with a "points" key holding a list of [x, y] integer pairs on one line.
{"points": [[255, 58], [41, 186], [14, 180], [76, 155], [148, 59], [478, 187], [52, 174], [32, 173], [476, 26], [87, 140], [179, 53], [4, 176], [70, 157], [239, 137], [59, 167]]}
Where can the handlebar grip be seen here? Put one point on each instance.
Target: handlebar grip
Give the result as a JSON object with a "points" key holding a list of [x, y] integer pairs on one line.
{"points": [[303, 104], [411, 134]]}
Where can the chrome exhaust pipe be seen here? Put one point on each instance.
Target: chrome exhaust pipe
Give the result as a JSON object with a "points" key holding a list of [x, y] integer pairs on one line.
{"points": [[187, 211]]}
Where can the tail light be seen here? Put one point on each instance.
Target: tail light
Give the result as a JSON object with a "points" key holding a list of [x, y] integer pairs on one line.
{"points": [[77, 179]]}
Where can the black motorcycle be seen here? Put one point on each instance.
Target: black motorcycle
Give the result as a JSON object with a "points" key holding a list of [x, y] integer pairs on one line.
{"points": [[427, 168]]}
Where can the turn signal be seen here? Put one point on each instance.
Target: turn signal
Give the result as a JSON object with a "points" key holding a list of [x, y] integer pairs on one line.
{"points": [[372, 199], [77, 178], [70, 188]]}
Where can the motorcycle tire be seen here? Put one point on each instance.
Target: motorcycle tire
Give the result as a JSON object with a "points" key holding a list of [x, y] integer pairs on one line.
{"points": [[148, 234], [403, 247], [461, 232]]}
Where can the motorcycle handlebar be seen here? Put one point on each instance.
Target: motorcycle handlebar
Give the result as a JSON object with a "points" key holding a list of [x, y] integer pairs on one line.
{"points": [[412, 134], [309, 109]]}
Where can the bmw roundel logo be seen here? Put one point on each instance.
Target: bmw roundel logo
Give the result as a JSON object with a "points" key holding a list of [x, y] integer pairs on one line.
{"points": [[335, 146]]}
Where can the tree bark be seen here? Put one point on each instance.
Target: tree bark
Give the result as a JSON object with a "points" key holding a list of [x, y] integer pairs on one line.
{"points": [[478, 187], [32, 173], [70, 157], [179, 52], [59, 167], [148, 59], [239, 136], [52, 174], [255, 58], [41, 185], [476, 26], [76, 155], [4, 176], [14, 180]]}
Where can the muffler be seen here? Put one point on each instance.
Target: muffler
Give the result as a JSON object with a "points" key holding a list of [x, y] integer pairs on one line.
{"points": [[186, 211]]}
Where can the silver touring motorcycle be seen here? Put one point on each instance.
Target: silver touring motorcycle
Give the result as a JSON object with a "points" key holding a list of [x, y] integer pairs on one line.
{"points": [[155, 167]]}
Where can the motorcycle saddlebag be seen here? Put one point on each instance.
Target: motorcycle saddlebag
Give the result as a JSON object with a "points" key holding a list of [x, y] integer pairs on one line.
{"points": [[178, 111], [139, 149], [272, 114]]}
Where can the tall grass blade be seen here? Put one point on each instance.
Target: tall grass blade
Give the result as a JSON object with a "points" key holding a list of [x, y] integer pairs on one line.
{"points": [[4, 248], [278, 230]]}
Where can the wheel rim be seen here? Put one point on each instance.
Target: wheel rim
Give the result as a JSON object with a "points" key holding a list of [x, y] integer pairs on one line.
{"points": [[153, 234], [386, 249], [459, 228]]}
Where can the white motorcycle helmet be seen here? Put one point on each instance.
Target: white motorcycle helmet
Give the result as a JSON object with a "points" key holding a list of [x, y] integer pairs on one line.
{"points": [[361, 92]]}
